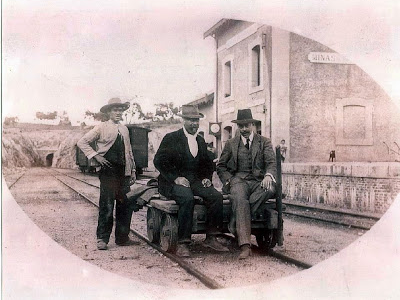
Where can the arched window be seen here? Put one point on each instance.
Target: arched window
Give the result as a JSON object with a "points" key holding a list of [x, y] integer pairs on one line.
{"points": [[227, 79]]}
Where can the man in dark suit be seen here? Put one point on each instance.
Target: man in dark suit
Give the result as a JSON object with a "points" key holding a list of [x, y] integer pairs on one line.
{"points": [[186, 170], [247, 168]]}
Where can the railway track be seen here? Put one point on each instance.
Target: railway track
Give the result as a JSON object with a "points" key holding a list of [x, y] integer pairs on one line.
{"points": [[207, 281], [332, 210], [338, 217], [346, 224], [190, 269]]}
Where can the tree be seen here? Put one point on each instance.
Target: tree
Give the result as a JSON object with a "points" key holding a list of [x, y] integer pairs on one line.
{"points": [[166, 110], [99, 116], [134, 113], [64, 119], [11, 121], [46, 116]]}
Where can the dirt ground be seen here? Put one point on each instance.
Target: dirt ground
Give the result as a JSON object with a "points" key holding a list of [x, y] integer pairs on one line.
{"points": [[71, 222]]}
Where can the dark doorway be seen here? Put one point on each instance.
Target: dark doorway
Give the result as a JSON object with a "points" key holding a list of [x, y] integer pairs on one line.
{"points": [[49, 159]]}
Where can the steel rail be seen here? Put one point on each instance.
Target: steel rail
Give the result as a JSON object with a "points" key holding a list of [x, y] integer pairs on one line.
{"points": [[283, 257], [329, 221], [288, 259], [207, 281], [332, 210], [9, 187], [88, 183], [96, 186]]}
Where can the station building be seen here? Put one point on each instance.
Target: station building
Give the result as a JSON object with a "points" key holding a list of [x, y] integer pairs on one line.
{"points": [[314, 99]]}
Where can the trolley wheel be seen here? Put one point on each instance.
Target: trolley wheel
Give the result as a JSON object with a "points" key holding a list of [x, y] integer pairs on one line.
{"points": [[153, 225], [266, 239], [169, 232]]}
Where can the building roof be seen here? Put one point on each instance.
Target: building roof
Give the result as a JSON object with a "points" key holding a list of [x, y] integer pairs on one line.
{"points": [[217, 26], [207, 99], [212, 30]]}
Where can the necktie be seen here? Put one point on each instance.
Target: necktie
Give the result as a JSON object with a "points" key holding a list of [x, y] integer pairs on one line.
{"points": [[247, 143]]}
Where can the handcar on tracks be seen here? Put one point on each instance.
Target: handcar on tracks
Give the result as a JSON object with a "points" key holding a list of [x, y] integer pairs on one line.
{"points": [[266, 222]]}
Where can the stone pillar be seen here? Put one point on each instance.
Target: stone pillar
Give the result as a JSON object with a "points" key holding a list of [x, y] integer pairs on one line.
{"points": [[280, 89]]}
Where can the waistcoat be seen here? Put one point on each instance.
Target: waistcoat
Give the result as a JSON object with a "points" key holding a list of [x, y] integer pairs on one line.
{"points": [[190, 169], [116, 154], [244, 158]]}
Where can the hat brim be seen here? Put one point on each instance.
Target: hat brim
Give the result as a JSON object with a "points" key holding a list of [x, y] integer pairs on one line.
{"points": [[199, 116], [245, 121], [107, 107]]}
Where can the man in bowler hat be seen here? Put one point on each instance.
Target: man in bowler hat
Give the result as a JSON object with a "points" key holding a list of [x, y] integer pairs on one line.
{"points": [[186, 170], [114, 154], [247, 168]]}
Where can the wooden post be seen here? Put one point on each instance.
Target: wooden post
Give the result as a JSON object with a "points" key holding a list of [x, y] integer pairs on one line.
{"points": [[279, 194]]}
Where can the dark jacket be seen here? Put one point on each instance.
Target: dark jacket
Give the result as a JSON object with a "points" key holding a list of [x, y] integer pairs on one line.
{"points": [[263, 158], [172, 158]]}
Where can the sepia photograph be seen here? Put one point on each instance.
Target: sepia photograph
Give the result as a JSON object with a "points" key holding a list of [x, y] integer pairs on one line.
{"points": [[202, 150]]}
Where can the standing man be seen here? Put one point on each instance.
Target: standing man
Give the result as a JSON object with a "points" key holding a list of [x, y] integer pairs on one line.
{"points": [[283, 150], [117, 173], [247, 168], [186, 170]]}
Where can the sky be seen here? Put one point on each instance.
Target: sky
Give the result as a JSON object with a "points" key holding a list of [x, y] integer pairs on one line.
{"points": [[63, 56]]}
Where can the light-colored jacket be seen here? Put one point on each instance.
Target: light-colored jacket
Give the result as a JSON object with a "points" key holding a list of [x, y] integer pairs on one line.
{"points": [[105, 134]]}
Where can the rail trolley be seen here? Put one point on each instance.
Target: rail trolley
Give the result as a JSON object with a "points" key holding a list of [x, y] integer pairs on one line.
{"points": [[139, 137], [266, 223]]}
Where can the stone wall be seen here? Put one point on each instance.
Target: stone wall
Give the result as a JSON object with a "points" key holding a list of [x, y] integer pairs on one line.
{"points": [[369, 187], [337, 107]]}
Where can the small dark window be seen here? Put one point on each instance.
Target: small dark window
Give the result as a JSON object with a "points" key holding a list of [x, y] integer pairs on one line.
{"points": [[256, 66]]}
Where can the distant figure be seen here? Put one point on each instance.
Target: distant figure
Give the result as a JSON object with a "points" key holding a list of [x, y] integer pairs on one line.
{"points": [[332, 156], [283, 150], [114, 154]]}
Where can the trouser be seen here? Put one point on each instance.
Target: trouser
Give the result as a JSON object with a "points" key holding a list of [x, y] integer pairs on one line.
{"points": [[183, 196], [246, 196], [113, 187]]}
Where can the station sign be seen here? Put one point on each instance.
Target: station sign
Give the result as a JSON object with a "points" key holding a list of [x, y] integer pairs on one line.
{"points": [[328, 58]]}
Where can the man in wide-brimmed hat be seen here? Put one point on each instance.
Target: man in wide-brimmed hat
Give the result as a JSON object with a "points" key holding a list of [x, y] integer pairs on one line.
{"points": [[247, 168], [114, 154], [186, 170]]}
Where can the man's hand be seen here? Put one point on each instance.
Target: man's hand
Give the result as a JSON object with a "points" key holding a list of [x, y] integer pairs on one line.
{"points": [[182, 181], [102, 161], [206, 182], [132, 179], [266, 184]]}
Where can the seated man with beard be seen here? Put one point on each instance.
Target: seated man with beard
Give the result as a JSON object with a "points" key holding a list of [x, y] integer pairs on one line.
{"points": [[185, 171]]}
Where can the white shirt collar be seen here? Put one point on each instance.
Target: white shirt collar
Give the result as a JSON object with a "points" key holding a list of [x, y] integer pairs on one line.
{"points": [[192, 142], [251, 137], [188, 135]]}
